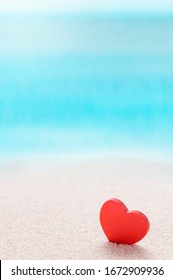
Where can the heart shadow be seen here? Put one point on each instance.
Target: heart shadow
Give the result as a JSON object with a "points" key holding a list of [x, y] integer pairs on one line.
{"points": [[125, 252]]}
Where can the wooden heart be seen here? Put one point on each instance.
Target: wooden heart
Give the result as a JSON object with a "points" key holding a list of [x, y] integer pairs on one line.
{"points": [[121, 225]]}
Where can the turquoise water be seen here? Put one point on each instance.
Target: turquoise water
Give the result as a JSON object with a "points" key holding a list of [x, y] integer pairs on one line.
{"points": [[86, 85]]}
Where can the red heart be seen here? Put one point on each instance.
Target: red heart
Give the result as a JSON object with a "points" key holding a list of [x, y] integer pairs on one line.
{"points": [[121, 225]]}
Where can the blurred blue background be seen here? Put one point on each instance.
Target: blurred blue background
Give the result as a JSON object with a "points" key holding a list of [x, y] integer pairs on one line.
{"points": [[86, 82]]}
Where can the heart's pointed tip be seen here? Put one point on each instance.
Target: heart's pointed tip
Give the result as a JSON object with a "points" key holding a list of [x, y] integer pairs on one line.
{"points": [[122, 243]]}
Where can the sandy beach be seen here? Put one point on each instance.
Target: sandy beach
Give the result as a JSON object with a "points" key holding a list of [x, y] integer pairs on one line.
{"points": [[50, 208]]}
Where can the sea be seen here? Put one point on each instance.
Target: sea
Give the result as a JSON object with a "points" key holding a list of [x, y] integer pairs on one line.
{"points": [[86, 85]]}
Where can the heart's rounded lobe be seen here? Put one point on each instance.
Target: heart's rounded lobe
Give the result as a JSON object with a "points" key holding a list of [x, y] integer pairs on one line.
{"points": [[121, 225]]}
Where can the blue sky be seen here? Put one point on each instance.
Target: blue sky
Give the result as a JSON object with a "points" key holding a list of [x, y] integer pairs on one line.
{"points": [[63, 6]]}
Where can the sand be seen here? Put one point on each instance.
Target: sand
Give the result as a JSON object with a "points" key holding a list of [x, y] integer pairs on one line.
{"points": [[50, 207]]}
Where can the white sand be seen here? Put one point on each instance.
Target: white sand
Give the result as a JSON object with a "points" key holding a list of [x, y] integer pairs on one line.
{"points": [[50, 209]]}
